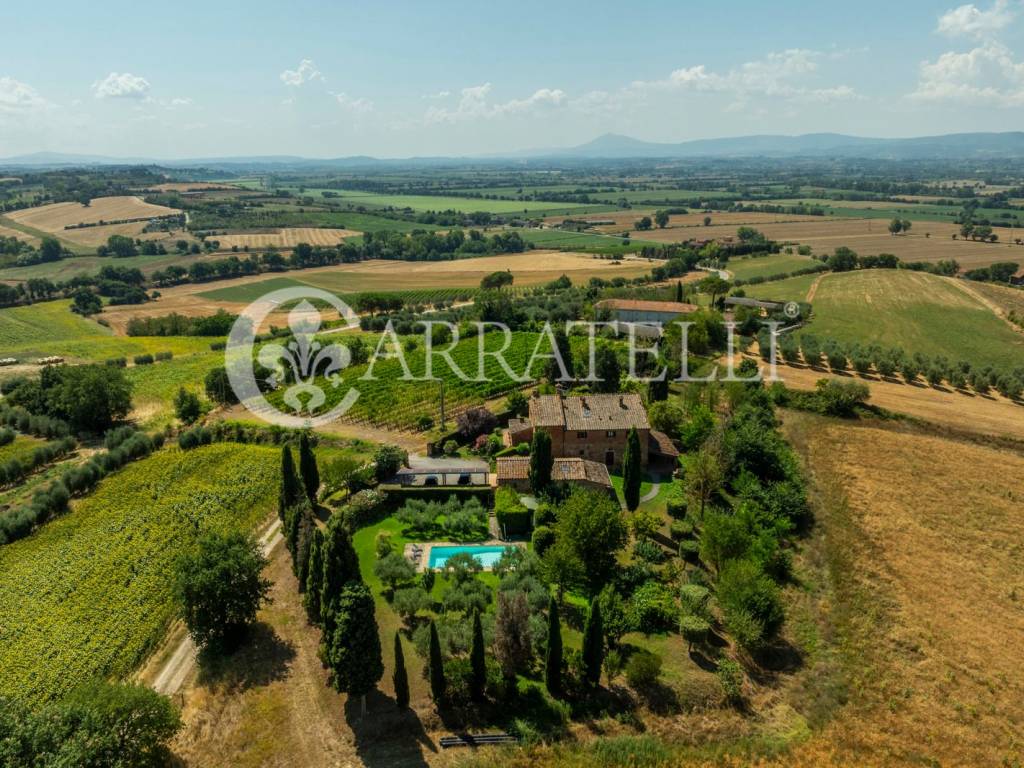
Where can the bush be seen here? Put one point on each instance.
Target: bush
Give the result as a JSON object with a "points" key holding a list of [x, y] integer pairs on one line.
{"points": [[680, 529], [512, 516], [146, 359], [543, 538], [163, 356], [751, 603], [648, 551], [730, 676], [643, 669], [653, 608], [450, 448]]}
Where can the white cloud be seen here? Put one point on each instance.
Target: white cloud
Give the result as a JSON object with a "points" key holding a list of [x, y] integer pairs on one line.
{"points": [[780, 74], [359, 106], [121, 86], [306, 72], [987, 75], [18, 98], [969, 21], [473, 104]]}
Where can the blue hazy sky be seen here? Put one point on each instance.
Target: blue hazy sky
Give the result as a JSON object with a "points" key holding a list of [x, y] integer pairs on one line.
{"points": [[189, 79]]}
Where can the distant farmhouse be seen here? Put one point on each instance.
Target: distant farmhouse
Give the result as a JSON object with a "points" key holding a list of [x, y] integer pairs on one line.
{"points": [[766, 307], [593, 427], [655, 314]]}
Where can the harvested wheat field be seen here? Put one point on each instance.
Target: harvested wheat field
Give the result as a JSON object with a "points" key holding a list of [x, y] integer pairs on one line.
{"points": [[57, 216], [922, 535], [285, 238], [990, 414], [93, 236], [18, 234]]}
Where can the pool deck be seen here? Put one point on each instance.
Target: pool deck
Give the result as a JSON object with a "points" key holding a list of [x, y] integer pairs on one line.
{"points": [[425, 547]]}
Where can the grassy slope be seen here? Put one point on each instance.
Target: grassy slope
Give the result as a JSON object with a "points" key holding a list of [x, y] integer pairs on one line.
{"points": [[89, 594], [765, 266], [50, 328], [916, 311]]}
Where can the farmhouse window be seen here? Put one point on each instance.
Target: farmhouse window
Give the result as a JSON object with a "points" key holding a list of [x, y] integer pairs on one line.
{"points": [[581, 435], [610, 433]]}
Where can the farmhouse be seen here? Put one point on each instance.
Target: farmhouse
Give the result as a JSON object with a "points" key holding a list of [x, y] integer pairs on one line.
{"points": [[514, 471], [592, 427], [635, 311]]}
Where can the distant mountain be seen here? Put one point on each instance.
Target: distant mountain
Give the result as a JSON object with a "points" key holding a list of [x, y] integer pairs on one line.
{"points": [[610, 146], [957, 145]]}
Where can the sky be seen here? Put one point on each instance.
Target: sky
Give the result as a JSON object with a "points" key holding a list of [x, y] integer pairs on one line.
{"points": [[401, 79]]}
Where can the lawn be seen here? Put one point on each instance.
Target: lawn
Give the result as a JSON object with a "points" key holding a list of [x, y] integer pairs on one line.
{"points": [[912, 310], [89, 594]]}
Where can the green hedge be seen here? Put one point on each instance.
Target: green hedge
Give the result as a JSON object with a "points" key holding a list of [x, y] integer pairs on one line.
{"points": [[513, 517]]}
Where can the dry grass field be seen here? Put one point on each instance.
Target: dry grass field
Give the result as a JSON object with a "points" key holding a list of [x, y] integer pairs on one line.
{"points": [[93, 236], [1004, 297], [55, 217], [922, 535], [17, 233], [288, 237]]}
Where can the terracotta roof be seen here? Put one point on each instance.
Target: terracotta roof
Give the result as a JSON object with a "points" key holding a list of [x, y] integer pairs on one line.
{"points": [[576, 470], [659, 442], [512, 467], [584, 412], [546, 411], [562, 470], [668, 307]]}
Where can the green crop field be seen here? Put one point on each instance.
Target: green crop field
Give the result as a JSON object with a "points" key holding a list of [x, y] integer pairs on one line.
{"points": [[790, 289], [154, 386], [766, 266], [51, 328], [580, 241], [91, 265], [913, 310], [89, 594], [445, 203]]}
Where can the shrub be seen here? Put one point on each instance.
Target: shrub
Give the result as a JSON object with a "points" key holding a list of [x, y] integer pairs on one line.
{"points": [[648, 551], [543, 538], [450, 448], [680, 529], [643, 669], [512, 516], [653, 608], [751, 603], [730, 676], [163, 356], [146, 359]]}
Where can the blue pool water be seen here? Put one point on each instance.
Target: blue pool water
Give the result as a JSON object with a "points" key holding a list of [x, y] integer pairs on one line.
{"points": [[487, 556]]}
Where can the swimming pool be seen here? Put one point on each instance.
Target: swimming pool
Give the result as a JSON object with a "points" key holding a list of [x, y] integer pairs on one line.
{"points": [[487, 556]]}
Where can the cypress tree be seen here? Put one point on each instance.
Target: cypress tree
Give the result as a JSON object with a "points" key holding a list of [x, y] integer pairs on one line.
{"points": [[438, 685], [553, 657], [631, 470], [290, 491], [308, 469], [340, 566], [314, 577], [303, 549], [478, 667], [679, 291], [593, 645], [541, 461], [400, 678], [353, 646]]}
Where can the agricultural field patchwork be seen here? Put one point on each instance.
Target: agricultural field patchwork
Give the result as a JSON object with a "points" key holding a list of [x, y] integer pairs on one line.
{"points": [[89, 594]]}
